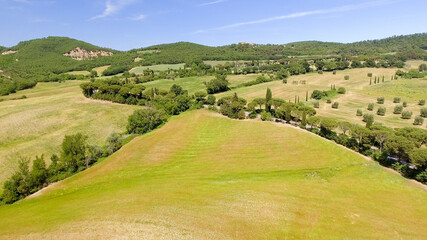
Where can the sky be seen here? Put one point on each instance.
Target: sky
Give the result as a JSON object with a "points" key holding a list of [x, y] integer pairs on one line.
{"points": [[129, 24]]}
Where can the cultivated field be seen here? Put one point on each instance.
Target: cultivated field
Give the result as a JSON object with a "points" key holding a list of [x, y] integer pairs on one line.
{"points": [[36, 125], [203, 176], [160, 67], [359, 93], [99, 70]]}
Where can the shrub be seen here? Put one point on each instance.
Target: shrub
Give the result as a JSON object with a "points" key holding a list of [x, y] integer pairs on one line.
{"points": [[405, 104], [370, 106], [369, 74], [380, 100], [396, 100], [423, 112], [113, 143], [341, 90], [418, 120], [346, 77], [422, 102], [285, 81], [320, 72], [218, 84], [398, 109], [316, 104], [317, 94], [368, 119], [145, 120], [335, 105], [334, 72], [359, 112], [381, 111], [406, 115], [212, 108], [266, 116], [211, 100]]}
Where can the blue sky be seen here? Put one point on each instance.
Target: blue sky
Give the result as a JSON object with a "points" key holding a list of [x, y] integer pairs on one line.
{"points": [[127, 24]]}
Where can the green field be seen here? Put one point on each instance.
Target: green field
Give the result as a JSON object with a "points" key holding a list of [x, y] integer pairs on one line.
{"points": [[79, 73], [203, 176], [194, 84], [160, 67], [36, 125]]}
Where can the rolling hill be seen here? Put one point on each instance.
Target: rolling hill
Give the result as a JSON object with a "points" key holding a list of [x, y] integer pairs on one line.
{"points": [[208, 177]]}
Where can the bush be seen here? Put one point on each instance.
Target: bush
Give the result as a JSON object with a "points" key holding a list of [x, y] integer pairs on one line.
{"points": [[113, 143], [381, 111], [317, 94], [211, 100], [370, 106], [380, 100], [218, 84], [369, 74], [396, 100], [334, 72], [285, 81], [404, 104], [418, 120], [145, 120], [406, 115], [335, 105], [346, 77], [398, 109], [422, 102], [266, 116], [368, 119], [320, 72], [423, 112], [316, 104], [341, 90], [359, 112], [328, 100]]}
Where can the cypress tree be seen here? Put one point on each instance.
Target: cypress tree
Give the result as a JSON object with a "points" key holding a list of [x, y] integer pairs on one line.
{"points": [[268, 97], [306, 96], [370, 81]]}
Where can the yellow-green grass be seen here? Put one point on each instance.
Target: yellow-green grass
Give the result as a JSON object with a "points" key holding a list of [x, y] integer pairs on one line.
{"points": [[101, 69], [79, 73], [203, 176], [414, 64], [36, 125], [194, 84], [160, 67], [359, 93]]}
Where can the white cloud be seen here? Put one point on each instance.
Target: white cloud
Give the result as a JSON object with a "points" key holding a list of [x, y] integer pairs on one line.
{"points": [[211, 3], [299, 15], [113, 7], [139, 17]]}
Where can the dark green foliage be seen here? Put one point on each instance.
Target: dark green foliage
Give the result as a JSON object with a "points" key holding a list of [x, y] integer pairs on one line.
{"points": [[113, 143], [232, 106], [396, 100], [422, 102], [218, 84], [359, 112], [346, 77], [341, 90], [423, 112], [405, 104], [335, 105], [268, 98], [398, 109], [317, 94], [285, 111], [74, 152], [368, 119], [201, 96], [406, 115], [418, 120], [38, 175], [381, 111], [380, 100], [266, 116], [211, 100], [258, 80], [370, 107], [369, 74], [145, 120]]}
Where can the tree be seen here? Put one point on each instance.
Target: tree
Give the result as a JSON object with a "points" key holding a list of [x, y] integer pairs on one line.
{"points": [[314, 121], [341, 90], [259, 102], [276, 102], [398, 109], [422, 67], [381, 111], [396, 100], [113, 143], [176, 89], [359, 132], [423, 112], [38, 175], [418, 157], [370, 106], [211, 100], [399, 146], [344, 127], [382, 136], [268, 97], [335, 105], [418, 120], [422, 102], [74, 152], [359, 112], [317, 94], [145, 120], [200, 96], [406, 115], [218, 84], [232, 106], [380, 100], [369, 119]]}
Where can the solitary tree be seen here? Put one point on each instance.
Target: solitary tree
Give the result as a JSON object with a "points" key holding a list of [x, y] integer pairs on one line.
{"points": [[268, 97]]}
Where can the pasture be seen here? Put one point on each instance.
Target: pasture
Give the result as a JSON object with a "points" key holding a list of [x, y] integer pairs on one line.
{"points": [[160, 67], [37, 124], [203, 176]]}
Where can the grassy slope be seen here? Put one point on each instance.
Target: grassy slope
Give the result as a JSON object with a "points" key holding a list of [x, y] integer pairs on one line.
{"points": [[160, 67], [37, 125], [207, 177]]}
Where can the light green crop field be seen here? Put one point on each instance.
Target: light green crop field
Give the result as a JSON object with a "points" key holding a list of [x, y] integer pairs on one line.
{"points": [[36, 125], [414, 64], [203, 176], [160, 67], [101, 69], [359, 93], [79, 73], [194, 84]]}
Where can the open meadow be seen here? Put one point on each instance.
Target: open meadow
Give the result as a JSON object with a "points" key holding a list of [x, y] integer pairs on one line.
{"points": [[203, 176], [160, 67], [37, 124]]}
